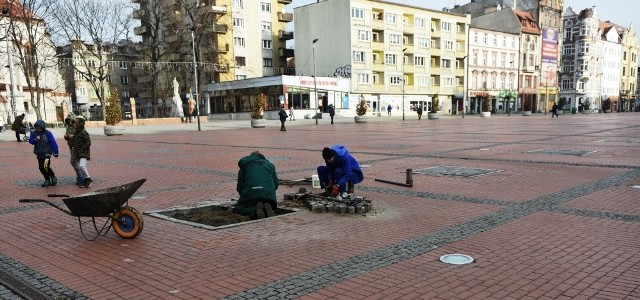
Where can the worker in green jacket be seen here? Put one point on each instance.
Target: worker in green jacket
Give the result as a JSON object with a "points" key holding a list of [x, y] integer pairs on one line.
{"points": [[257, 185]]}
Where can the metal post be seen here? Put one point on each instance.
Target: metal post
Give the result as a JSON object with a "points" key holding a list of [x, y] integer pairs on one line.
{"points": [[315, 86], [5, 12], [403, 50], [195, 76]]}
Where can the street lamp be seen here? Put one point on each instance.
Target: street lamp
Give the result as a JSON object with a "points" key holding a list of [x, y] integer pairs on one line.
{"points": [[465, 82], [546, 91], [510, 86], [315, 86], [403, 50], [195, 75], [5, 12]]}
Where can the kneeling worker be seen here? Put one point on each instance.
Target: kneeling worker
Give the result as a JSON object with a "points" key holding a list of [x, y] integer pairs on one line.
{"points": [[341, 172], [257, 185]]}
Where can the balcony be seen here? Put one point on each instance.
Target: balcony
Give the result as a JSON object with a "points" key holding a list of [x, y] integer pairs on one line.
{"points": [[221, 68], [285, 35], [140, 30], [217, 28], [285, 52], [285, 17], [215, 9], [138, 14]]}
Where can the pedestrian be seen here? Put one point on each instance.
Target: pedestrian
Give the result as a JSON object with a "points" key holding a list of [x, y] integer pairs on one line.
{"points": [[419, 110], [332, 112], [554, 110], [292, 117], [283, 118], [340, 172], [389, 110], [191, 106], [1, 123], [69, 123], [18, 126], [44, 147], [257, 185], [80, 144]]}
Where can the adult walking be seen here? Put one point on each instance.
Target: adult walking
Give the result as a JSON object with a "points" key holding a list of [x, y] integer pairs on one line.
{"points": [[554, 110], [332, 112], [389, 110], [283, 118], [17, 126], [44, 146], [419, 110]]}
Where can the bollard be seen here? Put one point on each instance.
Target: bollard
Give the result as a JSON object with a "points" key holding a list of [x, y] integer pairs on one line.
{"points": [[409, 177]]}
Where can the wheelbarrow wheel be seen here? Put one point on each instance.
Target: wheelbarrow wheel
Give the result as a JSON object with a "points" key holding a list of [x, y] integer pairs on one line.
{"points": [[127, 222]]}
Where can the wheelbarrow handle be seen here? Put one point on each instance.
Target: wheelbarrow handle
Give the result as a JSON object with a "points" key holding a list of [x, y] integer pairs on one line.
{"points": [[31, 200], [58, 195]]}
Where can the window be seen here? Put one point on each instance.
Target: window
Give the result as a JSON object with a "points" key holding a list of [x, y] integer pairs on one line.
{"points": [[581, 85], [421, 23], [364, 35], [124, 79], [358, 56], [395, 39], [241, 61], [419, 60], [92, 63], [445, 26], [125, 94], [238, 23], [267, 62], [485, 38], [390, 18], [390, 59], [568, 50], [238, 41], [446, 63], [266, 44], [495, 40], [405, 40], [395, 80], [108, 79], [363, 78], [77, 75], [475, 37], [424, 80], [81, 91], [266, 25], [449, 82], [584, 65], [238, 4], [448, 45], [423, 42], [265, 6], [240, 77], [357, 13], [584, 47], [122, 64]]}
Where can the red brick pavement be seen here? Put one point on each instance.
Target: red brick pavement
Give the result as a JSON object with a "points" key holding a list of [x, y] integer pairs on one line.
{"points": [[578, 248]]}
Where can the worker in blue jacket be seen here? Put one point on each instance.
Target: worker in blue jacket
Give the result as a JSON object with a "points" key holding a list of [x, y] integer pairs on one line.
{"points": [[340, 173]]}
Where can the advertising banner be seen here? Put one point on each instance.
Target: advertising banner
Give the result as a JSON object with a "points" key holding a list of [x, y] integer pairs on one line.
{"points": [[550, 45]]}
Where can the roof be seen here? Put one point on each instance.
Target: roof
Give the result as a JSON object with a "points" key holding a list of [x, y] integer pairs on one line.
{"points": [[507, 20], [528, 22]]}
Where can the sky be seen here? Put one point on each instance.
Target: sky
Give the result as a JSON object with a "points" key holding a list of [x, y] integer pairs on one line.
{"points": [[623, 12]]}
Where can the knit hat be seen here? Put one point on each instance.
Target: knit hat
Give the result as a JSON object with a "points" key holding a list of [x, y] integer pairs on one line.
{"points": [[327, 153]]}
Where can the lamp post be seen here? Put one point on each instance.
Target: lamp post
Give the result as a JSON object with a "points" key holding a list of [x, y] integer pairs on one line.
{"points": [[510, 86], [5, 13], [465, 83], [195, 75], [315, 86], [546, 91], [403, 50]]}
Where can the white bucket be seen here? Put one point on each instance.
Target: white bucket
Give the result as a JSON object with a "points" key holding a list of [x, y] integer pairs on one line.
{"points": [[315, 181]]}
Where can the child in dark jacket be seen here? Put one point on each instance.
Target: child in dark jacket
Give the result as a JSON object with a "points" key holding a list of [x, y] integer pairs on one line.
{"points": [[80, 144], [44, 147]]}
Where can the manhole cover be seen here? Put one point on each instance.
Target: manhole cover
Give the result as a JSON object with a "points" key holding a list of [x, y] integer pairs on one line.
{"points": [[563, 152], [455, 171], [456, 259]]}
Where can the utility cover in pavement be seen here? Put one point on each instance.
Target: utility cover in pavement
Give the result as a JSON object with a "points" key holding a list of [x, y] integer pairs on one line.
{"points": [[455, 171], [456, 259], [563, 152]]}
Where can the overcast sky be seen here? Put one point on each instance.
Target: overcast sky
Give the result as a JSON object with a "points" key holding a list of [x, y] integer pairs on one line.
{"points": [[621, 12]]}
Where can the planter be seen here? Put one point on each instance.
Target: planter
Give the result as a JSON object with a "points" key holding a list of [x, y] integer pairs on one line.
{"points": [[526, 113], [360, 119], [113, 130], [432, 116], [485, 114], [258, 123]]}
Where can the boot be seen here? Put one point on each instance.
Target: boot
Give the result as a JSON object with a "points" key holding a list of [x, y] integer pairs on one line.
{"points": [[79, 180], [46, 183], [54, 181], [87, 183]]}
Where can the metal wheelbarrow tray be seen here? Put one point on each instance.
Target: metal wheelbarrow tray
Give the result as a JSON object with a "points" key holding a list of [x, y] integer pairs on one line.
{"points": [[106, 203]]}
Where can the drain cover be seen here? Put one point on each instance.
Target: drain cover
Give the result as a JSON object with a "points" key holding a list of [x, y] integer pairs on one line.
{"points": [[456, 259]]}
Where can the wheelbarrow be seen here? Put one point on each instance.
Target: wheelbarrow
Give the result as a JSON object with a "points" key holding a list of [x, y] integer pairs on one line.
{"points": [[106, 203]]}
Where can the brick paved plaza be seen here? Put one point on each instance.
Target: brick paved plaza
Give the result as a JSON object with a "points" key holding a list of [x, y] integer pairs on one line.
{"points": [[546, 207]]}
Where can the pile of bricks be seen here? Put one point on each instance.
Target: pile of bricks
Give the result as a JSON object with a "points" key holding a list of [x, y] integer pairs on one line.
{"points": [[323, 204]]}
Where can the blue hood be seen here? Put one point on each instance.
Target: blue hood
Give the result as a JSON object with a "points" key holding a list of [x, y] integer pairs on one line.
{"points": [[40, 123]]}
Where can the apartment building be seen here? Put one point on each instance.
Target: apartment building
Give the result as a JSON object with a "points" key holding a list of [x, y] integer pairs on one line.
{"points": [[493, 63], [393, 54], [234, 39], [548, 16], [628, 82]]}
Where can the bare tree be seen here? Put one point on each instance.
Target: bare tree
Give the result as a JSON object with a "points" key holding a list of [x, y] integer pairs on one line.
{"points": [[34, 49], [92, 26]]}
